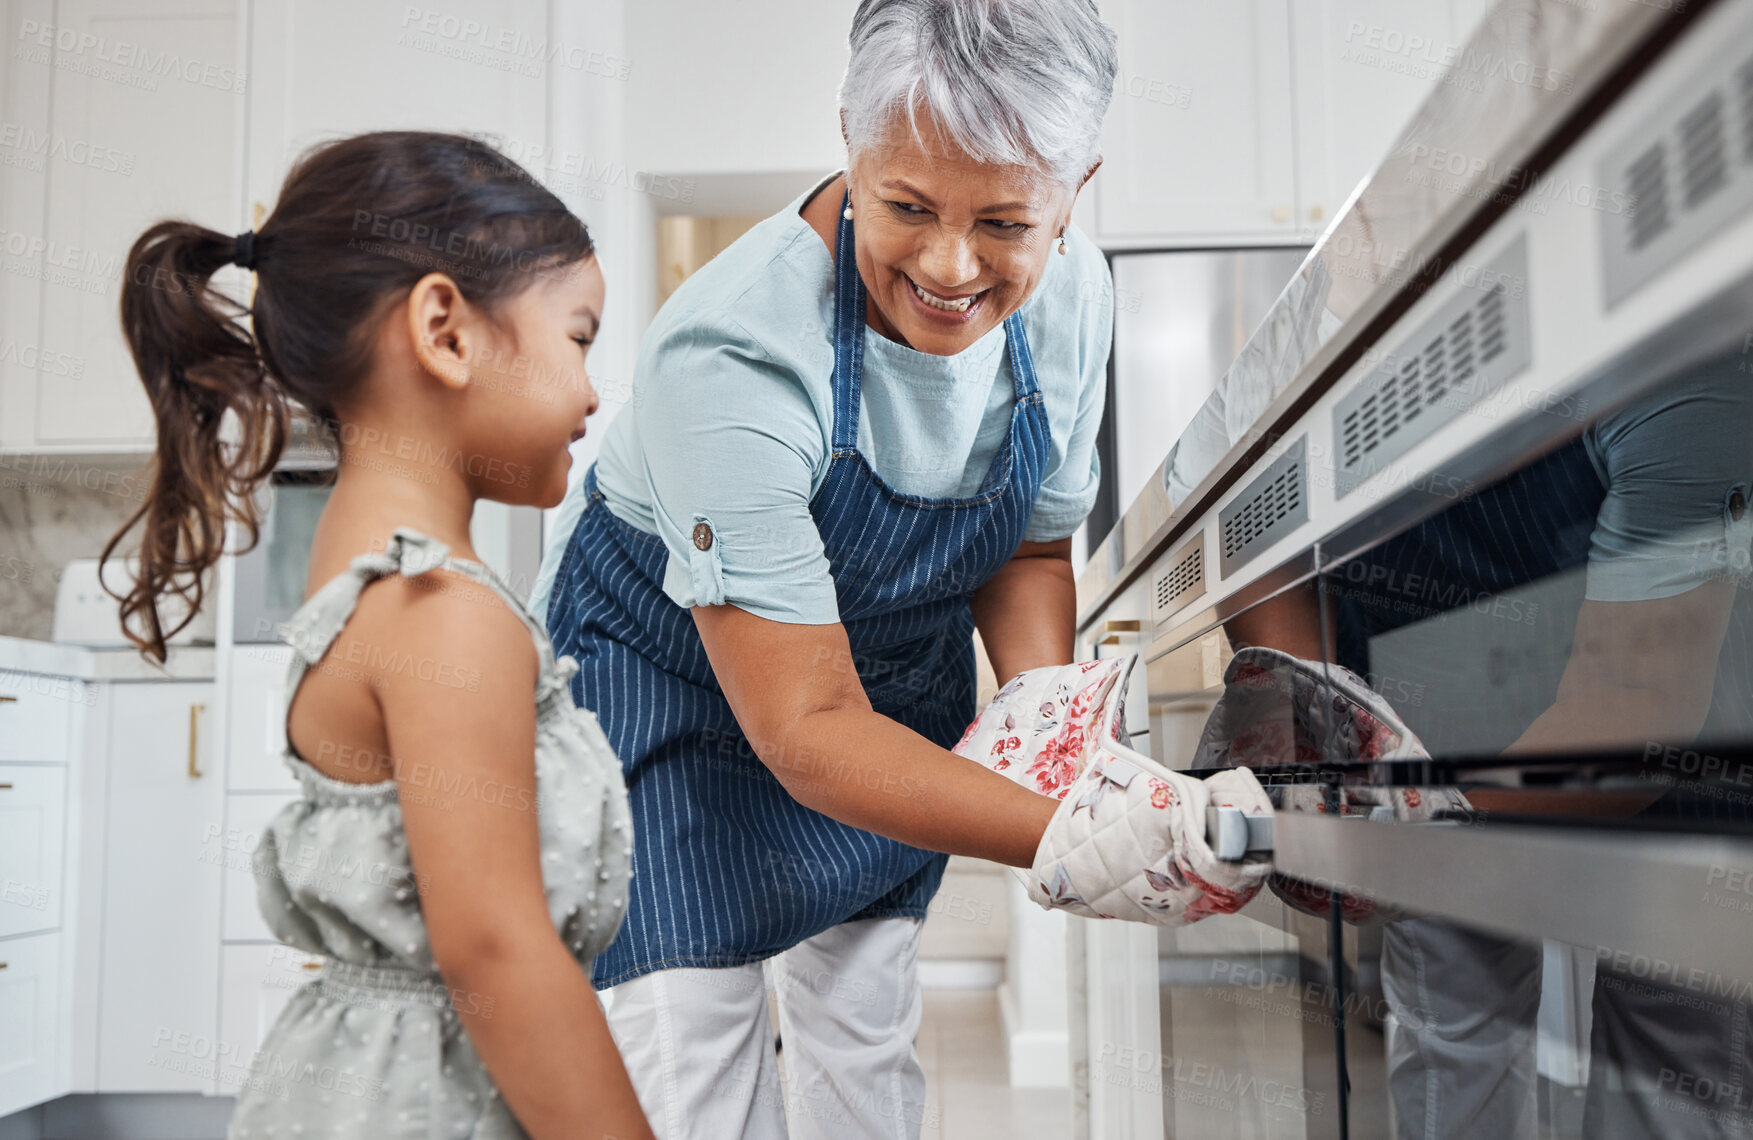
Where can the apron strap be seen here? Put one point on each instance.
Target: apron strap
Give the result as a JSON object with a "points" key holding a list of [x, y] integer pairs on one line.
{"points": [[848, 335], [1022, 361]]}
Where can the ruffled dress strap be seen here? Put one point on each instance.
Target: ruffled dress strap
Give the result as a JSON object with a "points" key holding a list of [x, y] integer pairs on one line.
{"points": [[313, 628]]}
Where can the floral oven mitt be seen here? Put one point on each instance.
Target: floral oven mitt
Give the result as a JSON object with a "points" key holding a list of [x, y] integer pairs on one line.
{"points": [[1128, 840]]}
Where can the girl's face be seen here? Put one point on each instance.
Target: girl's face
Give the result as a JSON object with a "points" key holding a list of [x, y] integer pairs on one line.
{"points": [[534, 391], [948, 247]]}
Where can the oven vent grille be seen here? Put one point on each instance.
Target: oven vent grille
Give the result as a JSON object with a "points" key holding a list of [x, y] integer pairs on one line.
{"points": [[1468, 348], [1681, 176], [1703, 151], [1273, 505], [1182, 582], [1647, 185]]}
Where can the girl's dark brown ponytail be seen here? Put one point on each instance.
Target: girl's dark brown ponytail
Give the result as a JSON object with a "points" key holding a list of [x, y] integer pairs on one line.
{"points": [[198, 362], [358, 222]]}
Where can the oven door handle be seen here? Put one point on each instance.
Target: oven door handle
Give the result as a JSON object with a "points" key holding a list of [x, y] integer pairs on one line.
{"points": [[1233, 833]]}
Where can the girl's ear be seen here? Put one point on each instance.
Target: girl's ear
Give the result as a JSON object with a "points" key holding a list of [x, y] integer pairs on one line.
{"points": [[441, 329]]}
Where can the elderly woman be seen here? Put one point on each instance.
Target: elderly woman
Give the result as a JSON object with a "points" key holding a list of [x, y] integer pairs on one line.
{"points": [[867, 429]]}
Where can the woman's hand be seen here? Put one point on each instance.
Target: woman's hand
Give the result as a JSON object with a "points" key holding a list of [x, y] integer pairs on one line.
{"points": [[797, 696]]}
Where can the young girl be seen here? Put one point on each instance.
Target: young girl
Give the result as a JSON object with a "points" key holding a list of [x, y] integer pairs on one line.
{"points": [[460, 852]]}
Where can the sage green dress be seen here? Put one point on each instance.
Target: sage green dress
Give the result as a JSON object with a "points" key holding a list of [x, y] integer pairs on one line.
{"points": [[373, 1047]]}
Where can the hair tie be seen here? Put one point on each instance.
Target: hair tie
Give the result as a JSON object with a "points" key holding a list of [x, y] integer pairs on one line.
{"points": [[245, 253]]}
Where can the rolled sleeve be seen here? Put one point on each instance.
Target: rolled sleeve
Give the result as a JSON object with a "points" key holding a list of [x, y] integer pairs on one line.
{"points": [[1678, 466], [733, 447], [1069, 488]]}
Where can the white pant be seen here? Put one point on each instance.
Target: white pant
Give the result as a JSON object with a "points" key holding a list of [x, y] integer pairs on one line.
{"points": [[699, 1046], [1466, 1004]]}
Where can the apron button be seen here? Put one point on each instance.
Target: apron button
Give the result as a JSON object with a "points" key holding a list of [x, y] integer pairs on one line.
{"points": [[702, 536]]}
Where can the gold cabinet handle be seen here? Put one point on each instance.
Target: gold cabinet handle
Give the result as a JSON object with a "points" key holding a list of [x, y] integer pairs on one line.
{"points": [[5, 787], [194, 740], [312, 966], [2, 965], [8, 700], [1111, 630]]}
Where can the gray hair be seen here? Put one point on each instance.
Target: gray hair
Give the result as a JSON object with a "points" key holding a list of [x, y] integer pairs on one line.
{"points": [[1011, 82]]}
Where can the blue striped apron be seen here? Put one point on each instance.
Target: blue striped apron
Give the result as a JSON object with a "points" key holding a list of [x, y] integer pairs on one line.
{"points": [[727, 867]]}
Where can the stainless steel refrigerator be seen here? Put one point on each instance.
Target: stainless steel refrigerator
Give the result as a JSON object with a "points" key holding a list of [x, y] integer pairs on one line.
{"points": [[1181, 318]]}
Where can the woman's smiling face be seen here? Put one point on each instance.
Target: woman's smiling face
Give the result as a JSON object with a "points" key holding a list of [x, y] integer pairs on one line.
{"points": [[948, 247]]}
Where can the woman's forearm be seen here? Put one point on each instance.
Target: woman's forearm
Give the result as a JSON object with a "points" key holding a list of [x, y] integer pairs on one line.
{"points": [[801, 704], [864, 769], [1027, 612]]}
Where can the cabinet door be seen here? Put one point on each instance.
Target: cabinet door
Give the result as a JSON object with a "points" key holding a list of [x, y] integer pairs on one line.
{"points": [[246, 817], [257, 982], [24, 93], [33, 827], [36, 715], [256, 720], [473, 67], [165, 854], [1197, 143], [1119, 959], [1363, 68], [30, 1041], [146, 102]]}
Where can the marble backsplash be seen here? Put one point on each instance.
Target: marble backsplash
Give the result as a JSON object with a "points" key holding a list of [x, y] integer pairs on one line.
{"points": [[54, 509]]}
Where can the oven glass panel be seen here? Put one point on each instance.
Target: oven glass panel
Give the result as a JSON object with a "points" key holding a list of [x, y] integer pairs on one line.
{"points": [[1572, 645]]}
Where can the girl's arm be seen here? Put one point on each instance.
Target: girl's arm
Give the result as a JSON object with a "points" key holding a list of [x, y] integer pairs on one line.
{"points": [[463, 745], [798, 698]]}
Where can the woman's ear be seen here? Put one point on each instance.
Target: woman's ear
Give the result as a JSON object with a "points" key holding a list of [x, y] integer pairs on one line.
{"points": [[441, 328], [1091, 172], [1087, 175]]}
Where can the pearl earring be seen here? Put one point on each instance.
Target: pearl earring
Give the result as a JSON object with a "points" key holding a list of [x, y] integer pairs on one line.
{"points": [[1061, 241], [847, 212]]}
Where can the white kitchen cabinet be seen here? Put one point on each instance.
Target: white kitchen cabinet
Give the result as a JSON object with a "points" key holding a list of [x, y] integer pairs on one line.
{"points": [[1198, 143], [472, 67], [33, 830], [256, 720], [31, 1045], [1252, 122], [163, 861], [1363, 67], [144, 104], [24, 94], [257, 981], [36, 715], [246, 816]]}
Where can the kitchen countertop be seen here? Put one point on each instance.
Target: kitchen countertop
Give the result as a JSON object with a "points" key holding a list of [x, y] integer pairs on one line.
{"points": [[186, 663]]}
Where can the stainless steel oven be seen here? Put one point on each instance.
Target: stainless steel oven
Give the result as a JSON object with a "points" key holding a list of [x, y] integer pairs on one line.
{"points": [[1472, 575]]}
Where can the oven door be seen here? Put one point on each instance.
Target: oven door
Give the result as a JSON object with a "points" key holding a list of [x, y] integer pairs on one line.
{"points": [[1229, 1027]]}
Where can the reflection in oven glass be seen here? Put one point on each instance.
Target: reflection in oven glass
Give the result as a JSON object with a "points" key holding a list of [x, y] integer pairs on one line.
{"points": [[1573, 632]]}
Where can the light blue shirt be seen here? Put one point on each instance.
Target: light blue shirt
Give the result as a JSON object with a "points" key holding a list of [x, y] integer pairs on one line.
{"points": [[732, 416]]}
